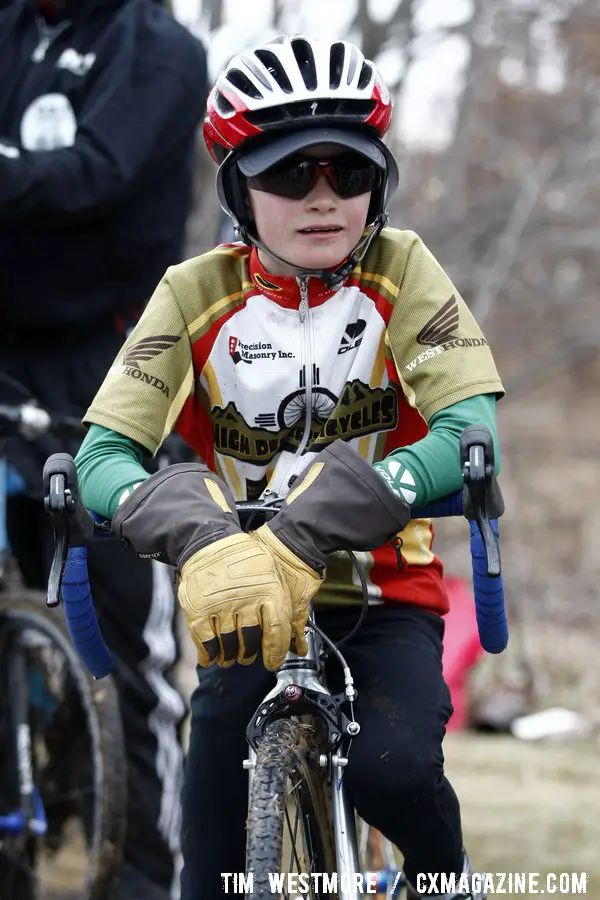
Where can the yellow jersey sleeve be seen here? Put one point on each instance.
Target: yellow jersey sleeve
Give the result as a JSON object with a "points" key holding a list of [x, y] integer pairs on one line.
{"points": [[151, 377], [438, 350]]}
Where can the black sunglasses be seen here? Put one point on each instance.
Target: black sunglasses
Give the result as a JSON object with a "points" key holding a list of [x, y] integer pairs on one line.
{"points": [[294, 177]]}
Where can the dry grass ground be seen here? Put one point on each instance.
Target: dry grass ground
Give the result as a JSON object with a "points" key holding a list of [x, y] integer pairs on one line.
{"points": [[528, 807], [533, 807]]}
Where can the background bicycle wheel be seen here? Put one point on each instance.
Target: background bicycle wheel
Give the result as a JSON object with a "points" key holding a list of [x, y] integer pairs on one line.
{"points": [[78, 763]]}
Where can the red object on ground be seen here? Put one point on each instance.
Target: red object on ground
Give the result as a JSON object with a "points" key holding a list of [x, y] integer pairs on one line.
{"points": [[462, 649]]}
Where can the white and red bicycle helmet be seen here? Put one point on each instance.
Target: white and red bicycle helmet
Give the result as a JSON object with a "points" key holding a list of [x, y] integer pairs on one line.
{"points": [[290, 94]]}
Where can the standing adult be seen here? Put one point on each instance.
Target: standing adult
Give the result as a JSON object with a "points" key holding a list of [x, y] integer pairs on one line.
{"points": [[99, 106]]}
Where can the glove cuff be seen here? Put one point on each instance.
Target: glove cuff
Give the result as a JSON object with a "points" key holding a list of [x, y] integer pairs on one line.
{"points": [[339, 503], [176, 512]]}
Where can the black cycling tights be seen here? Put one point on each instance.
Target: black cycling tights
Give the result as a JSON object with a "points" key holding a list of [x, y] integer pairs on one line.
{"points": [[395, 771]]}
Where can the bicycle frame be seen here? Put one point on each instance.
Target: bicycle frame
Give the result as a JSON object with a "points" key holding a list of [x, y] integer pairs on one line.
{"points": [[28, 817], [300, 687]]}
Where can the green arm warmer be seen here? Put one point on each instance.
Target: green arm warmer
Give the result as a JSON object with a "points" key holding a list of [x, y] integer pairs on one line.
{"points": [[430, 469], [108, 464]]}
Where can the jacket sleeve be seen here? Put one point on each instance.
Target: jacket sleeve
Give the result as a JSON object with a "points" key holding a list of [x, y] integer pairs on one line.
{"points": [[130, 124]]}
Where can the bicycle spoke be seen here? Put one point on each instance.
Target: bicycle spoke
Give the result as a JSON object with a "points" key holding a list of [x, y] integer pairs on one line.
{"points": [[293, 836]]}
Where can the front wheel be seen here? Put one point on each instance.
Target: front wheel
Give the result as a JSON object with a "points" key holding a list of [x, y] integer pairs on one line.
{"points": [[289, 830]]}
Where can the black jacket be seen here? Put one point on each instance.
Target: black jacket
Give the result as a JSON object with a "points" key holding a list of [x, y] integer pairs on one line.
{"points": [[97, 142], [97, 148]]}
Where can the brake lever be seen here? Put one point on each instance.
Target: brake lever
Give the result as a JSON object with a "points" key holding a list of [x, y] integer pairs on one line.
{"points": [[56, 503], [72, 524], [492, 551], [482, 498], [56, 569]]}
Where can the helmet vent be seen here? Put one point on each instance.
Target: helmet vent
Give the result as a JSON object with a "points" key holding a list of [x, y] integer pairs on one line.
{"points": [[336, 64], [306, 62], [243, 83], [336, 110], [257, 72], [223, 105], [366, 73], [352, 65], [272, 62]]}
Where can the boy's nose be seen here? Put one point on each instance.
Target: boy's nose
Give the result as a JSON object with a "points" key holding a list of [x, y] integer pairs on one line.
{"points": [[322, 196]]}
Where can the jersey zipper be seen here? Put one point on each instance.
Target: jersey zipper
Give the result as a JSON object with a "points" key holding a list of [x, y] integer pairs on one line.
{"points": [[307, 362], [280, 485]]}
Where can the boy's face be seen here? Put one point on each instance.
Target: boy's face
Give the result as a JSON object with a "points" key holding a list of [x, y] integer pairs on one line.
{"points": [[296, 229]]}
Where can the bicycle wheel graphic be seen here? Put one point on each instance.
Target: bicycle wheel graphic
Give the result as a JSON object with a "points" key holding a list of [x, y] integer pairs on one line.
{"points": [[293, 407]]}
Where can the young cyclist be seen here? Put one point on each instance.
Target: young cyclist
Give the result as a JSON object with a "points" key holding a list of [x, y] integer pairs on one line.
{"points": [[327, 358]]}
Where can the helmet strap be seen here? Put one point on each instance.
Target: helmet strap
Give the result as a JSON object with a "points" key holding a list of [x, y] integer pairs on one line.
{"points": [[330, 277]]}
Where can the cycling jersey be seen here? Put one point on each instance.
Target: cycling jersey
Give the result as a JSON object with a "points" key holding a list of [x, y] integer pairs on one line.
{"points": [[233, 357]]}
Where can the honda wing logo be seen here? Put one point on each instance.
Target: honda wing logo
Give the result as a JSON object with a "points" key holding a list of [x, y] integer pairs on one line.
{"points": [[142, 351], [148, 348], [440, 327], [438, 335]]}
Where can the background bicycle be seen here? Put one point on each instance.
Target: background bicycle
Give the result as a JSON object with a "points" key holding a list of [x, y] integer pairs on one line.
{"points": [[62, 764], [300, 735]]}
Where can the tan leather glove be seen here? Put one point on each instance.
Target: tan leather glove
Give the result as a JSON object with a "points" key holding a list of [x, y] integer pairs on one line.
{"points": [[232, 594], [230, 589], [301, 581], [338, 503]]}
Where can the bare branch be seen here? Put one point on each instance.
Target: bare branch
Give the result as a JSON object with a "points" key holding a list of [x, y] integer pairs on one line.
{"points": [[375, 35], [508, 242], [215, 14], [277, 14]]}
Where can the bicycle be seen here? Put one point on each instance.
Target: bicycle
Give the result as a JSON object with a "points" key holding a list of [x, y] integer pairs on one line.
{"points": [[62, 770], [300, 735]]}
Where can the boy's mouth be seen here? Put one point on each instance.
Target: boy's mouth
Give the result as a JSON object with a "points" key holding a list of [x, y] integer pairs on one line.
{"points": [[317, 229]]}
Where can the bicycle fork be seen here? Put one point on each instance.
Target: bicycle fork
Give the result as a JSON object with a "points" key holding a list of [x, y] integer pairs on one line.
{"points": [[344, 832], [303, 673]]}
